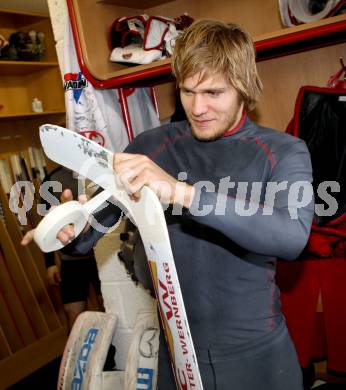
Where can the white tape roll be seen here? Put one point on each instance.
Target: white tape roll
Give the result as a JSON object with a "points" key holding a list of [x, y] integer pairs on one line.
{"points": [[284, 13], [72, 212], [301, 11], [45, 234]]}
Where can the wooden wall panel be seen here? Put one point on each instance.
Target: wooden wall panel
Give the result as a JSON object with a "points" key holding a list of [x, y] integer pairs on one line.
{"points": [[31, 358], [12, 298], [52, 98], [22, 280], [282, 78], [257, 16], [10, 325], [27, 264], [5, 349]]}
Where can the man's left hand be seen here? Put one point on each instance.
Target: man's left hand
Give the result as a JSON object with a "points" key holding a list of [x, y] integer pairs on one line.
{"points": [[136, 170]]}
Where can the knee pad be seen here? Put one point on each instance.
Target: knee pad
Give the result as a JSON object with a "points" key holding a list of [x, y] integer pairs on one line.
{"points": [[85, 354], [82, 365], [142, 358]]}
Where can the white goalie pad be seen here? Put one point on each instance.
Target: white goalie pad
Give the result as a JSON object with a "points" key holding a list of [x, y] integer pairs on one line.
{"points": [[87, 347], [135, 54], [142, 46], [160, 33], [142, 358], [85, 353]]}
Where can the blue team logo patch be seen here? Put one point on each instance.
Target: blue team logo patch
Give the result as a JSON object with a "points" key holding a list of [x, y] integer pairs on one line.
{"points": [[145, 378], [77, 82]]}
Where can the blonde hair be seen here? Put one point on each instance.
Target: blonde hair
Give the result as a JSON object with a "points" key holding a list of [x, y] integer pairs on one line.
{"points": [[210, 47]]}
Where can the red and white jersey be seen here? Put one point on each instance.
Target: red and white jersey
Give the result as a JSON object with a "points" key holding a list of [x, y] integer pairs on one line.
{"points": [[97, 113]]}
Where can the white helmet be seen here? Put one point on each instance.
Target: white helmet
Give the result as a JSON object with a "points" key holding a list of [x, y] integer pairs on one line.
{"points": [[304, 11]]}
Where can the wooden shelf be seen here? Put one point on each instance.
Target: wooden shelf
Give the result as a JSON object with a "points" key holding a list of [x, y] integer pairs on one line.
{"points": [[13, 21], [134, 3], [30, 114], [22, 81], [305, 36], [21, 18], [10, 68], [25, 14], [93, 52]]}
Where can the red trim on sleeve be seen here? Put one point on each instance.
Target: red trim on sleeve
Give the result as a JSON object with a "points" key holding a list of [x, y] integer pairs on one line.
{"points": [[267, 150]]}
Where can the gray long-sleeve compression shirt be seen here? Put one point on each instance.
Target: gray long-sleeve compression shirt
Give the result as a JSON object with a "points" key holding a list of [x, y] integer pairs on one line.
{"points": [[253, 204]]}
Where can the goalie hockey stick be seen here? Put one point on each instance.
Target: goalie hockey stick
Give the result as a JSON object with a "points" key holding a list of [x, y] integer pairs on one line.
{"points": [[94, 162]]}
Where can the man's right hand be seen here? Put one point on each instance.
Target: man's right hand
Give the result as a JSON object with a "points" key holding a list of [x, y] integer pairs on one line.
{"points": [[28, 237], [67, 233]]}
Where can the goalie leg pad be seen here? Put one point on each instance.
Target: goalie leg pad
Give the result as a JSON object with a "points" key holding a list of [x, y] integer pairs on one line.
{"points": [[142, 358], [86, 351]]}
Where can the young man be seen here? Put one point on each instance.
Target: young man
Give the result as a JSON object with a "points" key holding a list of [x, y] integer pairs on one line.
{"points": [[248, 201]]}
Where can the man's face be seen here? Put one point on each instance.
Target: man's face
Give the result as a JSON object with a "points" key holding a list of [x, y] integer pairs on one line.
{"points": [[212, 106]]}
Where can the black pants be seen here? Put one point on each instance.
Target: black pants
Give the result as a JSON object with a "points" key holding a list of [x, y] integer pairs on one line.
{"points": [[268, 364], [76, 277]]}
